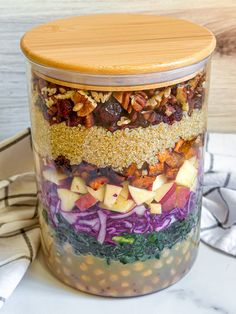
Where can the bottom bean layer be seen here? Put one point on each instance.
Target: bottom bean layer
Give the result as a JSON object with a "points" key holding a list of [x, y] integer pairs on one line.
{"points": [[93, 275]]}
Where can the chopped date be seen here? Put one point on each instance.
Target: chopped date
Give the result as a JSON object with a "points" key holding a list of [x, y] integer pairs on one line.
{"points": [[108, 113]]}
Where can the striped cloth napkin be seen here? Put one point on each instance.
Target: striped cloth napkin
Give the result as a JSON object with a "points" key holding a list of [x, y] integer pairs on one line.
{"points": [[218, 223], [19, 231]]}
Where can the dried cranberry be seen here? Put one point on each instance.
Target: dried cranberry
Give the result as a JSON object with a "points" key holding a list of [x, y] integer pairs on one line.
{"points": [[133, 115], [196, 102], [73, 120], [64, 108], [109, 112], [63, 163], [155, 118], [169, 120], [83, 167], [113, 127], [174, 90], [114, 178], [178, 114]]}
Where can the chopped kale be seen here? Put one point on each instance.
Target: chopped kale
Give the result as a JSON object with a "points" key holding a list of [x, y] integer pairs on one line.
{"points": [[129, 247]]}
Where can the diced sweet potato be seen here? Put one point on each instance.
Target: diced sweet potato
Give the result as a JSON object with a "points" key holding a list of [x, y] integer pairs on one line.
{"points": [[174, 160], [170, 173], [185, 147], [96, 183], [163, 156], [144, 182], [131, 170], [156, 169], [178, 145], [190, 153]]}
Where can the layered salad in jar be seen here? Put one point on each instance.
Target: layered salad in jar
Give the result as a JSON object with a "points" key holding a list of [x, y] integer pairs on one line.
{"points": [[119, 176]]}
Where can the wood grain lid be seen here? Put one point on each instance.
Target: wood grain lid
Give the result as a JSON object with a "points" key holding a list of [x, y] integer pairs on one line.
{"points": [[118, 44]]}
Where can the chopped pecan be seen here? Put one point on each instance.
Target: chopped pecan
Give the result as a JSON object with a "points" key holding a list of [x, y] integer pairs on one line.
{"points": [[124, 99], [89, 120], [138, 101], [165, 96], [182, 97], [152, 116], [84, 104], [164, 101]]}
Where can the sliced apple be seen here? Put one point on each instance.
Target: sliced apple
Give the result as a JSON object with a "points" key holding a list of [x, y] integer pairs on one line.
{"points": [[86, 201], [155, 208], [67, 198], [164, 192], [98, 194], [54, 176], [194, 161], [111, 194], [125, 191], [186, 175], [159, 181], [140, 196], [121, 205], [148, 202], [78, 186], [178, 199]]}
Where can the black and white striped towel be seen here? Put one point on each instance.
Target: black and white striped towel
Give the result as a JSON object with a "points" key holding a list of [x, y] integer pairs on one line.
{"points": [[19, 232], [218, 224]]}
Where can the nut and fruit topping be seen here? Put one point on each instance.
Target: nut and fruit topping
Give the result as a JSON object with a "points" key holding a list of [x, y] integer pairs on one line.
{"points": [[118, 110]]}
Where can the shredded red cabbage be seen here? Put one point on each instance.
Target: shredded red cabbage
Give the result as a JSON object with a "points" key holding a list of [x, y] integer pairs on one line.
{"points": [[104, 224]]}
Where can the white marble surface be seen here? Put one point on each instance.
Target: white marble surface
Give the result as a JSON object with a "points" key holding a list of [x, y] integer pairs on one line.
{"points": [[208, 288]]}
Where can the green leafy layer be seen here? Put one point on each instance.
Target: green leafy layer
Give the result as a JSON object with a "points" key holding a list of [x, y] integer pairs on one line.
{"points": [[130, 247]]}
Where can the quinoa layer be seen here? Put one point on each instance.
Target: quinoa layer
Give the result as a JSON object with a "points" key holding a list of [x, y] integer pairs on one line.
{"points": [[119, 149]]}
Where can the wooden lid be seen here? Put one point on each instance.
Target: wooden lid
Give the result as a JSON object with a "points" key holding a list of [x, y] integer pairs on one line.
{"points": [[118, 44]]}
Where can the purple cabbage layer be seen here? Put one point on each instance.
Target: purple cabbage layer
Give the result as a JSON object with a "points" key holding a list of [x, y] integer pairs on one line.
{"points": [[104, 224]]}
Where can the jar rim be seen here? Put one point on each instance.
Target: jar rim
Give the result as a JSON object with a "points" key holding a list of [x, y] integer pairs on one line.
{"points": [[117, 82]]}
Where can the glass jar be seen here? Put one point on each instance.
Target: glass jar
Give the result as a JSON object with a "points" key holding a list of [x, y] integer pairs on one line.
{"points": [[119, 164]]}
